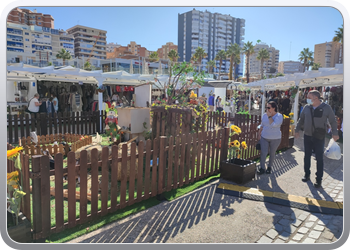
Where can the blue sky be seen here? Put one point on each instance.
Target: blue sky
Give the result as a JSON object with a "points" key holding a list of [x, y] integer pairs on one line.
{"points": [[289, 29]]}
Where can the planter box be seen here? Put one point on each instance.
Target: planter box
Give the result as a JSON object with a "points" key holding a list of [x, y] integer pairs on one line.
{"points": [[238, 170], [22, 232]]}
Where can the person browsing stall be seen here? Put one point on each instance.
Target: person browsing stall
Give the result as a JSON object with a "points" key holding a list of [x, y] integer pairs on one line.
{"points": [[34, 104], [270, 136], [313, 120]]}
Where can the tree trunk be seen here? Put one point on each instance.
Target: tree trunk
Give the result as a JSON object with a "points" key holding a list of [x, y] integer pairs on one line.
{"points": [[247, 69], [220, 70], [262, 68], [231, 66]]}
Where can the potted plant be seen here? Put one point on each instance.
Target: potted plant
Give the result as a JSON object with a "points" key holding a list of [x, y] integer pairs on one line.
{"points": [[18, 227], [101, 88], [236, 169]]}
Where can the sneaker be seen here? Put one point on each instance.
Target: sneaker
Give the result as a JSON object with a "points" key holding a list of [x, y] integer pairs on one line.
{"points": [[317, 184], [261, 171], [268, 170], [306, 178]]}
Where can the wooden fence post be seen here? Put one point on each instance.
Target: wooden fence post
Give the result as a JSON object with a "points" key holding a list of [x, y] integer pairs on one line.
{"points": [[224, 144], [43, 124], [36, 194], [161, 166], [45, 195]]}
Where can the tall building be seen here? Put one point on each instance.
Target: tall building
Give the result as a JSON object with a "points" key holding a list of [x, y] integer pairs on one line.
{"points": [[165, 49], [132, 50], [27, 17], [211, 31], [327, 54], [290, 67], [112, 46], [270, 65], [36, 45], [84, 41]]}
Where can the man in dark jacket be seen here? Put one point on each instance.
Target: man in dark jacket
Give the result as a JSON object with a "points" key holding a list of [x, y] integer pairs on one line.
{"points": [[314, 116], [211, 102]]}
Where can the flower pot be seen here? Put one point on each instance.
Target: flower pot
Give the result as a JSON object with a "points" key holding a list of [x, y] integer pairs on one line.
{"points": [[238, 170], [22, 232], [291, 141], [100, 90]]}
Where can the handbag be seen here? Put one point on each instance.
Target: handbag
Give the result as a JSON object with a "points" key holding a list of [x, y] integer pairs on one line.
{"points": [[258, 146], [318, 133]]}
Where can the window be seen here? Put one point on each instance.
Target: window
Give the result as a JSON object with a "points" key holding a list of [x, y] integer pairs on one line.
{"points": [[39, 23], [27, 40], [39, 17], [26, 33]]}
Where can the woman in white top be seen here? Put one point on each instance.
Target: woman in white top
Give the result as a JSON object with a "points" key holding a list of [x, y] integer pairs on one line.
{"points": [[269, 135], [219, 105], [34, 104]]}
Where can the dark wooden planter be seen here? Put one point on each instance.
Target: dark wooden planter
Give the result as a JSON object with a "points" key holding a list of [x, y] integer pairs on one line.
{"points": [[22, 232], [238, 170]]}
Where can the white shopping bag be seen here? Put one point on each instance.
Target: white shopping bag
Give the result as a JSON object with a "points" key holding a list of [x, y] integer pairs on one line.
{"points": [[333, 150]]}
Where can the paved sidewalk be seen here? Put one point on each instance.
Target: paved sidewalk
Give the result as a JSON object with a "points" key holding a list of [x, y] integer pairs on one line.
{"points": [[204, 216]]}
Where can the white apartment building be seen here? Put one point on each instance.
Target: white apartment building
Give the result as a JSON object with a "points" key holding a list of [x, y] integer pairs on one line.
{"points": [[36, 45], [270, 65], [211, 31]]}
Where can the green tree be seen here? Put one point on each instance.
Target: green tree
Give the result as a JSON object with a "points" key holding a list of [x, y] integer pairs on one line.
{"points": [[316, 66], [64, 55], [248, 50], [49, 63], [87, 66], [306, 58], [211, 65], [233, 52], [339, 38], [220, 56], [153, 57], [279, 74], [173, 56], [263, 55], [199, 54]]}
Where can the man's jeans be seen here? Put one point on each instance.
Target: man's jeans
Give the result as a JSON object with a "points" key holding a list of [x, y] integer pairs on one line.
{"points": [[310, 143]]}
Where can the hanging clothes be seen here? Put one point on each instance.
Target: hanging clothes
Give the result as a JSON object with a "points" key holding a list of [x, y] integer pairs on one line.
{"points": [[76, 102]]}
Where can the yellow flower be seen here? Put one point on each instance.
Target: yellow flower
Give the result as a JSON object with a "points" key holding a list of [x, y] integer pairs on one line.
{"points": [[238, 156], [290, 114], [291, 121], [236, 143], [244, 145], [13, 152], [236, 129]]}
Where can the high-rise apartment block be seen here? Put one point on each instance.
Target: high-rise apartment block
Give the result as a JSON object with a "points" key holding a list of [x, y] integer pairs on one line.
{"points": [[36, 45], [327, 54], [270, 65], [89, 42], [27, 17], [290, 67], [165, 49], [211, 31]]}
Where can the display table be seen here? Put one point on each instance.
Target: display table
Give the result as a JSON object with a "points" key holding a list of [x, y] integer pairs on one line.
{"points": [[16, 107], [134, 118]]}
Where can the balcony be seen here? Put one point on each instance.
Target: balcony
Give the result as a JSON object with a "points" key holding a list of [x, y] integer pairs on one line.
{"points": [[38, 42]]}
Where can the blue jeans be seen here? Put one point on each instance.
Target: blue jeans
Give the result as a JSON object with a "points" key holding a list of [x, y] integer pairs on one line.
{"points": [[310, 143]]}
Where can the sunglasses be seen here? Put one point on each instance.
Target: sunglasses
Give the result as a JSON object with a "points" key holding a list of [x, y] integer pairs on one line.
{"points": [[268, 107]]}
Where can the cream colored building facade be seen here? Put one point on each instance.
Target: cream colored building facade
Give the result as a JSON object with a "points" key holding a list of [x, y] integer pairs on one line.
{"points": [[269, 65], [290, 67], [327, 54]]}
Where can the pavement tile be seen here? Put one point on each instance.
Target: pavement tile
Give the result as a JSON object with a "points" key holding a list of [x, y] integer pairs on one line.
{"points": [[297, 223], [309, 241], [309, 224], [292, 241], [298, 236], [327, 234], [313, 218], [284, 222], [264, 239], [322, 222], [303, 230], [272, 233], [319, 228], [279, 241], [315, 234], [284, 235], [302, 217]]}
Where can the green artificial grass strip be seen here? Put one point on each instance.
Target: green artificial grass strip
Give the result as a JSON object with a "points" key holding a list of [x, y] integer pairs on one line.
{"points": [[175, 193], [71, 233]]}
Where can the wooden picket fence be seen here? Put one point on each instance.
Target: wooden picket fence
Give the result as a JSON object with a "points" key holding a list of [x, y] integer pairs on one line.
{"points": [[44, 144], [87, 123], [181, 160], [173, 121]]}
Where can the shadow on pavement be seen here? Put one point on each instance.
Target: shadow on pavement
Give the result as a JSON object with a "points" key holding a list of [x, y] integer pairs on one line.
{"points": [[158, 224]]}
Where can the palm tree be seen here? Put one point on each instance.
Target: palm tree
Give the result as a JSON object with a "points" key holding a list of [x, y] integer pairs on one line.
{"points": [[153, 57], [339, 38], [64, 55], [306, 58], [263, 55], [173, 56], [234, 52], [316, 66], [210, 65], [220, 56], [248, 50], [199, 54]]}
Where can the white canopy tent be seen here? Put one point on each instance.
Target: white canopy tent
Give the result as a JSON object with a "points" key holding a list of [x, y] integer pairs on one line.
{"points": [[312, 78]]}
